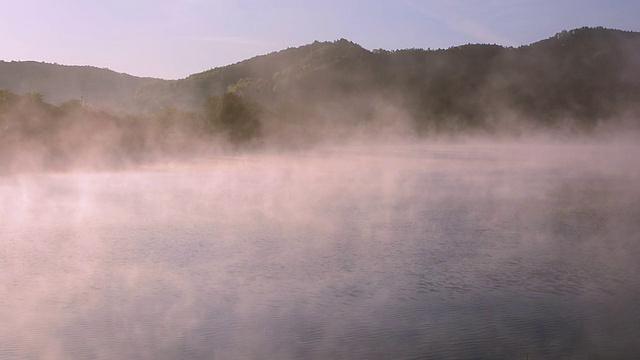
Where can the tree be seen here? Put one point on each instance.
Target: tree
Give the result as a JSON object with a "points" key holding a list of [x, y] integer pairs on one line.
{"points": [[235, 117]]}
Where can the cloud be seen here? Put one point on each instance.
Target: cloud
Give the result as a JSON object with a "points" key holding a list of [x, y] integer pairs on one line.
{"points": [[458, 17]]}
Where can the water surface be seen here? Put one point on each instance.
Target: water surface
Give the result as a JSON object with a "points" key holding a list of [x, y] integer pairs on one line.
{"points": [[425, 251]]}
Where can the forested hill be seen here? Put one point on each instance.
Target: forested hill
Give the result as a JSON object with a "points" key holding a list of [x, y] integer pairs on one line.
{"points": [[586, 75], [102, 88], [55, 117]]}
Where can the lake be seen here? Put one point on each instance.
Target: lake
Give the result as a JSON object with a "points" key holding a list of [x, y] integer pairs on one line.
{"points": [[444, 250]]}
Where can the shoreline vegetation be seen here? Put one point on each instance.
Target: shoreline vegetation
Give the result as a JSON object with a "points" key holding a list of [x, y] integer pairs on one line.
{"points": [[580, 82]]}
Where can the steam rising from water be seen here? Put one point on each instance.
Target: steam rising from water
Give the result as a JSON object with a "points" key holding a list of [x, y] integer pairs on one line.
{"points": [[454, 250]]}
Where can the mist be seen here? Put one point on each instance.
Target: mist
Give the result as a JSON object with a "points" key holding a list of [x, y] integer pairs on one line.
{"points": [[328, 201], [458, 248]]}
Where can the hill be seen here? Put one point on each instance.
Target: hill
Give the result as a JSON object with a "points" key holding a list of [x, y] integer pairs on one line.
{"points": [[97, 87], [586, 75], [581, 77], [57, 117]]}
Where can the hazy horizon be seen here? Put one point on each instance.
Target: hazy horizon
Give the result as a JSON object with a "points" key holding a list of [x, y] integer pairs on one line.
{"points": [[294, 46], [174, 39]]}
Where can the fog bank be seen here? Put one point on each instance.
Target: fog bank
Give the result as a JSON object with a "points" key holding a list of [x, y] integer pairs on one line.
{"points": [[458, 248]]}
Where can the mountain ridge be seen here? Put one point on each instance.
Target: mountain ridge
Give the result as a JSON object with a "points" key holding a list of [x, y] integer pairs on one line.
{"points": [[584, 81], [561, 76]]}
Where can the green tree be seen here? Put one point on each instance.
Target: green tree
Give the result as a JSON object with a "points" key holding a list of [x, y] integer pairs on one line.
{"points": [[235, 117]]}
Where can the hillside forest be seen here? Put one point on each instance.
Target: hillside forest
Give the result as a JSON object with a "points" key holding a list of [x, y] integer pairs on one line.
{"points": [[576, 82]]}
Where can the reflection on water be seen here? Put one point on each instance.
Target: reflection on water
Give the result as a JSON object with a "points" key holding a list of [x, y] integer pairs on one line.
{"points": [[394, 252]]}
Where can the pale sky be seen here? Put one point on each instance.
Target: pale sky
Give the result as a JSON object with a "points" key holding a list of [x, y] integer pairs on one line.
{"points": [[172, 39]]}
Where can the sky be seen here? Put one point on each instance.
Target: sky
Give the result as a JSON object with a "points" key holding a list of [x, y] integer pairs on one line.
{"points": [[172, 39]]}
